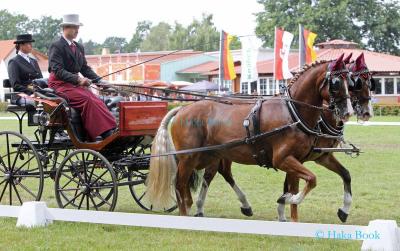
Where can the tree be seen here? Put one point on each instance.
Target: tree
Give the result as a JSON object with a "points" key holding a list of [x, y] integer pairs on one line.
{"points": [[379, 24], [115, 44], [142, 30], [45, 30], [92, 48], [12, 25], [371, 23], [158, 38], [203, 35]]}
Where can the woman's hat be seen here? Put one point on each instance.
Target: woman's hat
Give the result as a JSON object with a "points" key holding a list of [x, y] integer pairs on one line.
{"points": [[71, 19], [24, 38]]}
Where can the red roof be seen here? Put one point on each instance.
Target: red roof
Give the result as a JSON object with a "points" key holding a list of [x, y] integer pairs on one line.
{"points": [[6, 46], [201, 68], [376, 62], [133, 58]]}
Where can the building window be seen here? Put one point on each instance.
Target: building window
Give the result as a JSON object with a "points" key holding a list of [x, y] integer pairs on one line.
{"points": [[389, 85], [263, 86], [398, 85], [378, 87], [244, 87], [226, 84], [271, 86]]}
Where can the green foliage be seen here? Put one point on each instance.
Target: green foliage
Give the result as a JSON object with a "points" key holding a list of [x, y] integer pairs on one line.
{"points": [[158, 38], [3, 106], [91, 47], [372, 23], [386, 110], [12, 25], [115, 44], [142, 30]]}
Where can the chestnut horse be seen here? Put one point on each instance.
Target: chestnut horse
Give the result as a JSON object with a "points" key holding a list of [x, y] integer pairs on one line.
{"points": [[360, 96], [169, 175]]}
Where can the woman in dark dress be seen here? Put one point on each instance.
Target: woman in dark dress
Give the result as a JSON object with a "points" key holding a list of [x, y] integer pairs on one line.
{"points": [[23, 69]]}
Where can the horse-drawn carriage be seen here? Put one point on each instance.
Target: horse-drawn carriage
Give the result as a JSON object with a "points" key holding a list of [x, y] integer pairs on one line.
{"points": [[86, 174]]}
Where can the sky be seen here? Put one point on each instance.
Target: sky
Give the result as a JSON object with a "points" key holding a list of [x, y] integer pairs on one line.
{"points": [[102, 19]]}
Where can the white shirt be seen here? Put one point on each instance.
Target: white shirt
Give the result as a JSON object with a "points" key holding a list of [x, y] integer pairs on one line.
{"points": [[68, 41], [25, 56]]}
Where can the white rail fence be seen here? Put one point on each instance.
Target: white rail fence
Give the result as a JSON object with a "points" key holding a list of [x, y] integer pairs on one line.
{"points": [[378, 235]]}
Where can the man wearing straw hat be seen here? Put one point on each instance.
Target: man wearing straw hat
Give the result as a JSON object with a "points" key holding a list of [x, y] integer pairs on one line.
{"points": [[70, 76]]}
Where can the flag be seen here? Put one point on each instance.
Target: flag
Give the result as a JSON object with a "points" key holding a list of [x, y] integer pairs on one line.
{"points": [[250, 46], [283, 39], [226, 65], [306, 43]]}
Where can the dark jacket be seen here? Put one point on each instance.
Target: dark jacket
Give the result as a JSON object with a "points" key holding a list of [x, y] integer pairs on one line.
{"points": [[66, 65], [21, 73]]}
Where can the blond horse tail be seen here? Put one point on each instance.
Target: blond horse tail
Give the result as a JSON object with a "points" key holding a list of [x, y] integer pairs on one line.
{"points": [[160, 182]]}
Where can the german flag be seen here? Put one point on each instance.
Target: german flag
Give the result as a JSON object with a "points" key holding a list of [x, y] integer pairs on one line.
{"points": [[307, 53], [227, 68]]}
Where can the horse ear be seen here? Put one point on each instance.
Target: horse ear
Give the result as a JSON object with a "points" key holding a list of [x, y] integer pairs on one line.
{"points": [[360, 62], [338, 64], [347, 59]]}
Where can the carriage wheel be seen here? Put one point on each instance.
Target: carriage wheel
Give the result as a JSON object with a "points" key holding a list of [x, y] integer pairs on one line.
{"points": [[21, 172], [138, 177], [85, 179]]}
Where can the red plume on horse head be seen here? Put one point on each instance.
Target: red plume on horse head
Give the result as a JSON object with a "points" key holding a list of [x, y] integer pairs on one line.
{"points": [[347, 59], [360, 63], [338, 64]]}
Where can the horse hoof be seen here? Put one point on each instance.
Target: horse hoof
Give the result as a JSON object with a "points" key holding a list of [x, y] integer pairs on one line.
{"points": [[282, 220], [342, 215], [282, 199], [199, 215], [247, 211]]}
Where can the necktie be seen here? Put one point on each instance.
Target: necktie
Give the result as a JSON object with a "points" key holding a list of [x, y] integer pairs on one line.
{"points": [[73, 47]]}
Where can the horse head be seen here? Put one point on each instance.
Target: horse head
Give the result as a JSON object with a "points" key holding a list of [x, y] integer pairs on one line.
{"points": [[360, 92], [335, 89]]}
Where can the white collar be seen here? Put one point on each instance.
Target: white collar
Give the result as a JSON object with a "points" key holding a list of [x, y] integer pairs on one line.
{"points": [[68, 41], [25, 56]]}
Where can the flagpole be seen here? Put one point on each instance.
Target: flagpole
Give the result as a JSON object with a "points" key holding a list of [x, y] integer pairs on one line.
{"points": [[275, 56], [220, 77], [300, 40]]}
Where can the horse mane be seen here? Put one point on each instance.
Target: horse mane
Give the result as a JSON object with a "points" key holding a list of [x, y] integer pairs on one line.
{"points": [[305, 68]]}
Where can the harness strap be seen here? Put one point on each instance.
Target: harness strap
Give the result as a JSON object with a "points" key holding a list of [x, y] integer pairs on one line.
{"points": [[227, 145]]}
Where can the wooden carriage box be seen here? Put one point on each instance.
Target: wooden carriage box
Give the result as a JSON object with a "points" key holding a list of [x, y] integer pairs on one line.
{"points": [[141, 118]]}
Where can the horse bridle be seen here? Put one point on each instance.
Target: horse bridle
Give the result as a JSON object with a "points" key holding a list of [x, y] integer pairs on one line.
{"points": [[358, 84], [332, 78]]}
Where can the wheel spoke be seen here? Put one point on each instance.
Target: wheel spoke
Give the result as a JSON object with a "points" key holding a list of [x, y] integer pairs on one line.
{"points": [[10, 192], [84, 167], [16, 156], [8, 151], [99, 177], [70, 178], [94, 204], [16, 192], [102, 187], [73, 199], [80, 203], [141, 197], [102, 199], [33, 156], [4, 189], [26, 189], [68, 189]]}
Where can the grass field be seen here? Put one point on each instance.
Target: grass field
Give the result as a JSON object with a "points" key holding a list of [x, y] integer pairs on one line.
{"points": [[376, 195]]}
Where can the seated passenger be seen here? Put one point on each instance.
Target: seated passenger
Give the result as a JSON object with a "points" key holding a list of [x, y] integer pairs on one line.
{"points": [[23, 69]]}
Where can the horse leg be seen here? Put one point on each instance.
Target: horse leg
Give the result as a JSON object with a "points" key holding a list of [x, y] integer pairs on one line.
{"points": [[291, 185], [226, 171], [292, 166], [209, 175], [329, 161], [183, 195]]}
